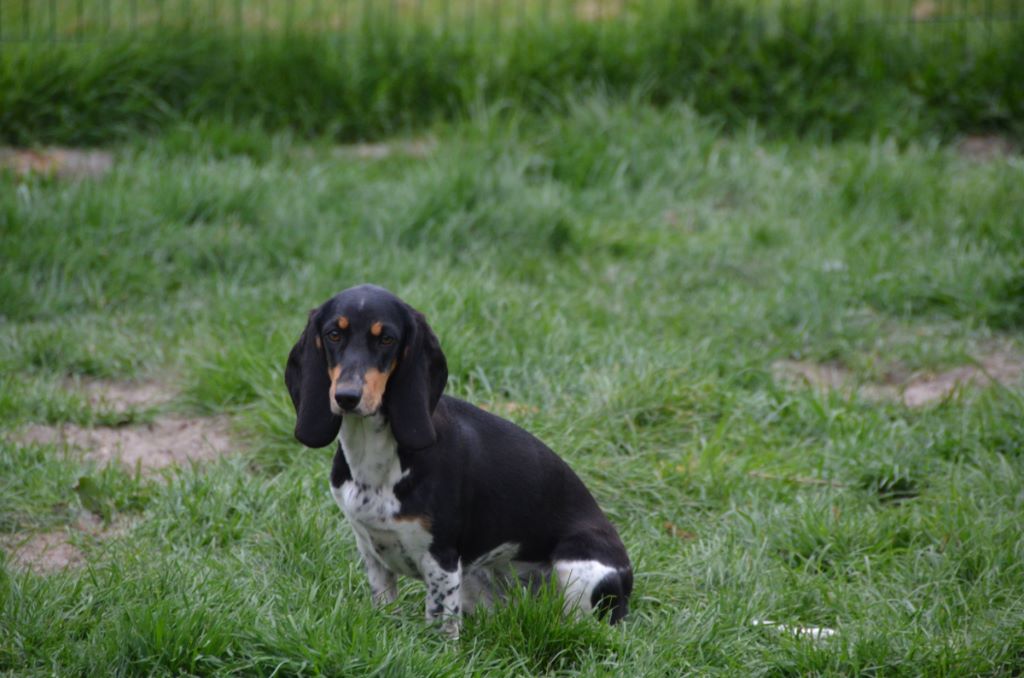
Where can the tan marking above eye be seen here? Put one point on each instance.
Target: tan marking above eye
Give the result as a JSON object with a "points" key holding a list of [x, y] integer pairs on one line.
{"points": [[376, 328], [343, 322]]}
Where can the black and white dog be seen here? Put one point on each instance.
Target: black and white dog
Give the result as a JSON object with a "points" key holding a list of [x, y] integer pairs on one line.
{"points": [[434, 487]]}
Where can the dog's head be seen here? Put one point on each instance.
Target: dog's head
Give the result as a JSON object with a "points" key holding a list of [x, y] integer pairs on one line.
{"points": [[363, 352]]}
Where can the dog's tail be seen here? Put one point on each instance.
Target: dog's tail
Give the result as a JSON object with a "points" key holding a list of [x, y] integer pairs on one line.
{"points": [[612, 595]]}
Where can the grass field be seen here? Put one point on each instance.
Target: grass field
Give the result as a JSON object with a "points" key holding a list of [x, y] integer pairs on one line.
{"points": [[621, 280]]}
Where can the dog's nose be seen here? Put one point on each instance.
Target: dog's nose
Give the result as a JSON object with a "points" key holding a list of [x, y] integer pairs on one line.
{"points": [[348, 398]]}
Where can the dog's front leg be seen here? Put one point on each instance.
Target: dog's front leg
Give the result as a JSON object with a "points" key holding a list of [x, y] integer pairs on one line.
{"points": [[383, 582], [444, 591]]}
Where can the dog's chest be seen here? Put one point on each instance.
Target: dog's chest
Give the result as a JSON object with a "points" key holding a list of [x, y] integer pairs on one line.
{"points": [[369, 500]]}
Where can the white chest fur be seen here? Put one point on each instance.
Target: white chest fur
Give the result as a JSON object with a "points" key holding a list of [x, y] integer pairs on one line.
{"points": [[369, 501]]}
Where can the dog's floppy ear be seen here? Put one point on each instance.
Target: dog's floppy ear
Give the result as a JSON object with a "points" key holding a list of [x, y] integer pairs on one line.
{"points": [[416, 386], [305, 375]]}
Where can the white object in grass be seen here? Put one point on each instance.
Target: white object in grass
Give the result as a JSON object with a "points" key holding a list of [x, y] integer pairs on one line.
{"points": [[812, 632]]}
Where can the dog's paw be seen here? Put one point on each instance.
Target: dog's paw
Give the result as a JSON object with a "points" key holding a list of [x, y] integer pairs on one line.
{"points": [[451, 627], [385, 597]]}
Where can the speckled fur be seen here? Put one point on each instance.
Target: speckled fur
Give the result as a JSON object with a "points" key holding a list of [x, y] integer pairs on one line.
{"points": [[369, 502]]}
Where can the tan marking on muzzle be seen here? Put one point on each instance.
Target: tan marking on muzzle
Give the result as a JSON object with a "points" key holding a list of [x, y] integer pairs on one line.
{"points": [[343, 322], [335, 373], [376, 328], [373, 391]]}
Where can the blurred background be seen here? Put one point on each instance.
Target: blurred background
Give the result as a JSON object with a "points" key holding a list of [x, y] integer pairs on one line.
{"points": [[92, 71]]}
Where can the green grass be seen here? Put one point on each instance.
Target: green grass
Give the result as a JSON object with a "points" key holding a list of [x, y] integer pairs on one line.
{"points": [[839, 71], [627, 271]]}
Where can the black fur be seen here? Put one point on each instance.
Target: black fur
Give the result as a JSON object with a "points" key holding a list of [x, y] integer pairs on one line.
{"points": [[305, 375], [416, 385], [612, 594]]}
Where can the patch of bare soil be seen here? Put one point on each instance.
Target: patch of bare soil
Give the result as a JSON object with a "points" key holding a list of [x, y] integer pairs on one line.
{"points": [[508, 408], [597, 10], [49, 552], [46, 553], [167, 440], [915, 390], [63, 163], [925, 10], [820, 375], [153, 446], [415, 148], [121, 396], [1003, 368], [985, 147]]}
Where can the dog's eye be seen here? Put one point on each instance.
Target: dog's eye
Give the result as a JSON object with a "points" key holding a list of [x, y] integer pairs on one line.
{"points": [[386, 340], [334, 336]]}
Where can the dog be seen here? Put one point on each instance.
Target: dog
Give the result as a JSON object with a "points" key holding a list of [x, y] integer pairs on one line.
{"points": [[434, 487]]}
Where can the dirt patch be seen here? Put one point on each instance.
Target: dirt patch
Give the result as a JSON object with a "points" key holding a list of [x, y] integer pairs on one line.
{"points": [[167, 440], [925, 10], [913, 390], [985, 147], [509, 407], [46, 553], [819, 375], [598, 10], [121, 396], [1003, 368], [150, 447], [679, 533], [63, 163], [49, 552], [414, 148]]}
